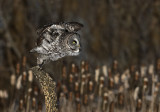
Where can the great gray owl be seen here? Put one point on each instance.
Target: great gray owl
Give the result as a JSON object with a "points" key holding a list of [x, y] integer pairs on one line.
{"points": [[56, 41]]}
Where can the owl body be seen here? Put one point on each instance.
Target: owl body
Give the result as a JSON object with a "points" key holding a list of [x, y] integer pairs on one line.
{"points": [[57, 41]]}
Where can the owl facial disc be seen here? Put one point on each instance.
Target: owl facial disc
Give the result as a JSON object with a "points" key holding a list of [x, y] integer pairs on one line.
{"points": [[74, 42]]}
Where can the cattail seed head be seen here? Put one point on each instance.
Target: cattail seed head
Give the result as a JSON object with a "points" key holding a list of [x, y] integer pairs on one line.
{"points": [[13, 79], [104, 68], [24, 61], [19, 82], [30, 77], [151, 69], [18, 69]]}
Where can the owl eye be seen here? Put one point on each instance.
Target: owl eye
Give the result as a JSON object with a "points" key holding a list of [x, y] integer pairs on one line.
{"points": [[74, 42]]}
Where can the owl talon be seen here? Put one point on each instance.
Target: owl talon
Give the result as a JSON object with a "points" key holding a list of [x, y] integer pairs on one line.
{"points": [[40, 66]]}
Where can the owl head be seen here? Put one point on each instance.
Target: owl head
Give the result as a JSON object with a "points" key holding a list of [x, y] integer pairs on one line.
{"points": [[72, 43], [58, 40]]}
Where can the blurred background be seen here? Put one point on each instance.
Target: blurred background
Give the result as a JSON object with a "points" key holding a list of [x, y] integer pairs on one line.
{"points": [[126, 31]]}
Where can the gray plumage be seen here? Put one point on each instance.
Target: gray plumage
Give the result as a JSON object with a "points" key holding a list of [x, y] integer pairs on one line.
{"points": [[56, 41]]}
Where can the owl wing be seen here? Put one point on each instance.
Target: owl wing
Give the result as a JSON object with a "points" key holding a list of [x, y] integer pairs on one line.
{"points": [[72, 26], [46, 47], [69, 27], [53, 30]]}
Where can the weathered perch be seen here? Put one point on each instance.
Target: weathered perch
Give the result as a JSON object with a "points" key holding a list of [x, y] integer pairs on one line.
{"points": [[49, 88]]}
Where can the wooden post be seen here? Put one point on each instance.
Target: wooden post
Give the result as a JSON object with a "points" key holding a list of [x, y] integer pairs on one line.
{"points": [[49, 88]]}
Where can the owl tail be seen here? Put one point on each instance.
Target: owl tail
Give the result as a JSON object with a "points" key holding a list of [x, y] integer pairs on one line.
{"points": [[38, 50], [33, 50]]}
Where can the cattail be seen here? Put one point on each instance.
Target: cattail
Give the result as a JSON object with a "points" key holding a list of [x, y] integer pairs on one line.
{"points": [[13, 79], [63, 102], [145, 81], [35, 90], [82, 66], [19, 80], [155, 79], [139, 105], [64, 75], [143, 70], [151, 69], [3, 94], [64, 72], [85, 101], [28, 99], [115, 66], [116, 79], [88, 77], [90, 91], [78, 107], [77, 97], [29, 90], [121, 89], [73, 69], [136, 75], [100, 89], [97, 75], [33, 103], [111, 83], [158, 66], [71, 83], [30, 77], [153, 87], [121, 99], [18, 69], [127, 72], [70, 96], [24, 61], [102, 80], [24, 78], [83, 78], [70, 78], [109, 72], [90, 86], [101, 85], [76, 88], [105, 102], [135, 95], [86, 67], [123, 77], [21, 108], [65, 90], [82, 84], [111, 107], [132, 69], [39, 107], [111, 95], [104, 69], [156, 88]]}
